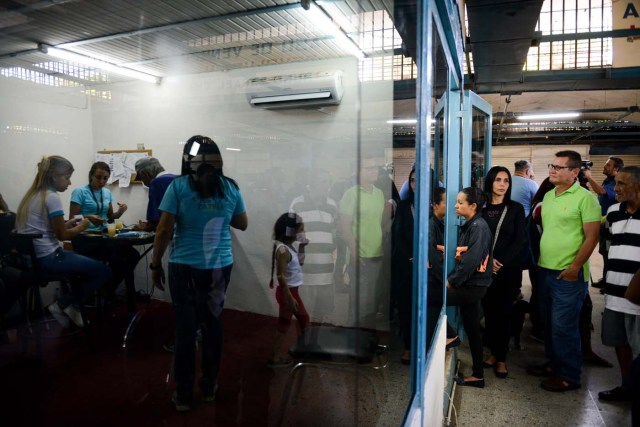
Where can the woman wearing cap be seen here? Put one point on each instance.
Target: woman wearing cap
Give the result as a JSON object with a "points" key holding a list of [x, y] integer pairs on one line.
{"points": [[198, 209]]}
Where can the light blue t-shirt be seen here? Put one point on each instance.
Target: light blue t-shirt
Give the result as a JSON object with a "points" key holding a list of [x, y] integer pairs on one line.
{"points": [[522, 191], [92, 202], [202, 238]]}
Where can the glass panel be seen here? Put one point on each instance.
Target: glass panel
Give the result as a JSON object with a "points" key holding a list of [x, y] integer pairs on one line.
{"points": [[437, 196], [327, 162], [478, 147]]}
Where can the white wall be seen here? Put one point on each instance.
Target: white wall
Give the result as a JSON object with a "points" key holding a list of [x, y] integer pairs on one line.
{"points": [[274, 145]]}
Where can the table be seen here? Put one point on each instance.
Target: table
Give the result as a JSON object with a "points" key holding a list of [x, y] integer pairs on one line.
{"points": [[125, 239]]}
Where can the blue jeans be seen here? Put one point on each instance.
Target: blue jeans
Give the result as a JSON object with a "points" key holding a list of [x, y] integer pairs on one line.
{"points": [[560, 305], [91, 274], [198, 298]]}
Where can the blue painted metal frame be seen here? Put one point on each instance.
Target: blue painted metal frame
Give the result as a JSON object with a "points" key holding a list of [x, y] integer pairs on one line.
{"points": [[444, 15]]}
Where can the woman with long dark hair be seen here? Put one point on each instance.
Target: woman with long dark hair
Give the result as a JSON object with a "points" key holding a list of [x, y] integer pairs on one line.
{"points": [[198, 209], [95, 202], [506, 221]]}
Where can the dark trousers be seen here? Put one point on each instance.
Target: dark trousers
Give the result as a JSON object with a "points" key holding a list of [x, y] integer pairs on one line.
{"points": [[198, 298], [122, 259], [468, 299], [534, 301], [497, 305]]}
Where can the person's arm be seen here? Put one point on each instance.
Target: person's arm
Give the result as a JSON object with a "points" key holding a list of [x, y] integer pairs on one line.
{"points": [[241, 221], [69, 229], [160, 243], [347, 234], [513, 250], [591, 236], [122, 208], [633, 291], [597, 188], [74, 209], [283, 257], [478, 248]]}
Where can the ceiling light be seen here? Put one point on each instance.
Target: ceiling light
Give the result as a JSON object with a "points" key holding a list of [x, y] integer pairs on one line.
{"points": [[402, 121], [233, 149], [91, 62], [549, 116], [324, 22]]}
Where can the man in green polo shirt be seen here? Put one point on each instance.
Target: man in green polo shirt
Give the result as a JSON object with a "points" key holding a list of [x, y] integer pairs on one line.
{"points": [[571, 226], [362, 222]]}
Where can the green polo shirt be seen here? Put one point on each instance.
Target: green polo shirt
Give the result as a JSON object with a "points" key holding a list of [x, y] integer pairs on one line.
{"points": [[369, 219], [562, 219]]}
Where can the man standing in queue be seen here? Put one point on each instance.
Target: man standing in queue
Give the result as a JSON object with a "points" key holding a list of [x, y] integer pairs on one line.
{"points": [[571, 226]]}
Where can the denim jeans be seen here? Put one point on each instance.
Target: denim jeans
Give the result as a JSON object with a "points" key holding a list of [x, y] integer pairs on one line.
{"points": [[91, 274], [198, 298], [560, 305], [363, 293]]}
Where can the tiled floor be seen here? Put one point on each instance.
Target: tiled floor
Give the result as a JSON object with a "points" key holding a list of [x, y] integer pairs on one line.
{"points": [[520, 401]]}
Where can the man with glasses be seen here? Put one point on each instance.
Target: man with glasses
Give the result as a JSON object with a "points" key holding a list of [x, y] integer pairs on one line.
{"points": [[571, 226]]}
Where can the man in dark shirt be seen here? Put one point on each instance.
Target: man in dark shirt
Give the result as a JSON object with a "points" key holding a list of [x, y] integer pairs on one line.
{"points": [[152, 174]]}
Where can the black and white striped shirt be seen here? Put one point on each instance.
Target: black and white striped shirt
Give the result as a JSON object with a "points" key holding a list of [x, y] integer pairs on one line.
{"points": [[320, 228], [623, 243]]}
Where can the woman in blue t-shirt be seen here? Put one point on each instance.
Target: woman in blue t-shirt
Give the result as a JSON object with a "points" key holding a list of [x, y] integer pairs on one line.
{"points": [[95, 202], [198, 209]]}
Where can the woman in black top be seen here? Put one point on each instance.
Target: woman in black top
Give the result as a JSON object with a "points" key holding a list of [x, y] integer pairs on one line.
{"points": [[507, 223], [468, 282]]}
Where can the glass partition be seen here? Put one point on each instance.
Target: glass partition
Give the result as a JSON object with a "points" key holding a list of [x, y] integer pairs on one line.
{"points": [[245, 81]]}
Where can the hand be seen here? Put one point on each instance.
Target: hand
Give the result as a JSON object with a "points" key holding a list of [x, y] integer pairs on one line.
{"points": [[140, 226], [496, 265], [587, 173], [157, 276], [95, 219], [570, 274], [449, 285], [292, 303], [122, 208]]}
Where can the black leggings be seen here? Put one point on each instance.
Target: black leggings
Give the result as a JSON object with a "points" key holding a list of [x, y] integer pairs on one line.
{"points": [[468, 299]]}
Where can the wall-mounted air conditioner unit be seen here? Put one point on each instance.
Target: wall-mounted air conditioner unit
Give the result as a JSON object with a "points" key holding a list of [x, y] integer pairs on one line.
{"points": [[296, 90]]}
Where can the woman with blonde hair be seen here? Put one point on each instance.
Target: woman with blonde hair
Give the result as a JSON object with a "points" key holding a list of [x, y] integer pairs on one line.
{"points": [[41, 212]]}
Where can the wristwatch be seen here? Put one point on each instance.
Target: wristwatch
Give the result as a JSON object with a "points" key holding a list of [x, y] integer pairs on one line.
{"points": [[152, 267]]}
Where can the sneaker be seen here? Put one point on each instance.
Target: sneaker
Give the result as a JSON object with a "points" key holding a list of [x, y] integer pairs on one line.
{"points": [[209, 396], [617, 394], [180, 406], [58, 314], [75, 315]]}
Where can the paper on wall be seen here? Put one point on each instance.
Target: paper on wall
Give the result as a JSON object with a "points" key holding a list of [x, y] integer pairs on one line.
{"points": [[122, 165]]}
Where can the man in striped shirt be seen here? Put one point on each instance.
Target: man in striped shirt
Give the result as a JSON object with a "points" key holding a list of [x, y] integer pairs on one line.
{"points": [[621, 318], [318, 211]]}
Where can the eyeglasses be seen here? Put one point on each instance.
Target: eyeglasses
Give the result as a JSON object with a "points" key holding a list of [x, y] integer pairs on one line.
{"points": [[559, 168]]}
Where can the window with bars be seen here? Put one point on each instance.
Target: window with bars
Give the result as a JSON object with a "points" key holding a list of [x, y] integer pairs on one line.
{"points": [[573, 17], [379, 38]]}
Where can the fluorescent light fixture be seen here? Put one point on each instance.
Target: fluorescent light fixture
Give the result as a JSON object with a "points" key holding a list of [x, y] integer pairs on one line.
{"points": [[323, 21], [96, 63], [548, 116], [295, 97], [233, 149], [402, 121]]}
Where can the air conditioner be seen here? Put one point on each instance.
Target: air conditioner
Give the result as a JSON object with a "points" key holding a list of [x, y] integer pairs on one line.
{"points": [[296, 90]]}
